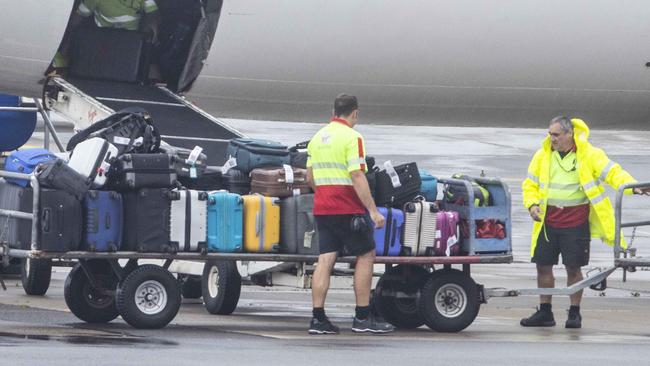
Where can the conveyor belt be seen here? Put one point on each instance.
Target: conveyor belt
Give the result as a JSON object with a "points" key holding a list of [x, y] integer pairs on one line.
{"points": [[180, 123]]}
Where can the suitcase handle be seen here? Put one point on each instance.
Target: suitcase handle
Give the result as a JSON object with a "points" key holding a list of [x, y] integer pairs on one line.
{"points": [[107, 222], [60, 213], [47, 216], [394, 235], [258, 223]]}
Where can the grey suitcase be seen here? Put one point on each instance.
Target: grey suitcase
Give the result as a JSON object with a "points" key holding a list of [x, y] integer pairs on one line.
{"points": [[189, 220], [419, 228], [298, 234]]}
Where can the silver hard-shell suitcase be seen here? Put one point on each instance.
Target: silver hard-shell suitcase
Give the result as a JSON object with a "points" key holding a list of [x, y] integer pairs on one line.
{"points": [[189, 220], [298, 234], [419, 228], [92, 159]]}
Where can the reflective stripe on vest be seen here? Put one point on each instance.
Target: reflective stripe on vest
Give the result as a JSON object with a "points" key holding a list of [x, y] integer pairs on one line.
{"points": [[565, 189]]}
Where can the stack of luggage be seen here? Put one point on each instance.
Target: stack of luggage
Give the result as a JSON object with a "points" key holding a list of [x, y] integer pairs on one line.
{"points": [[121, 188]]}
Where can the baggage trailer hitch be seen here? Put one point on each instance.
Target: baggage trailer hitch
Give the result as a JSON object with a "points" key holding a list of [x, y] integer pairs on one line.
{"points": [[570, 290]]}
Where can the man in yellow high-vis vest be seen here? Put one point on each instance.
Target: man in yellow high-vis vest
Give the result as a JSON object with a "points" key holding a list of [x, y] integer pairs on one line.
{"points": [[345, 214], [565, 197]]}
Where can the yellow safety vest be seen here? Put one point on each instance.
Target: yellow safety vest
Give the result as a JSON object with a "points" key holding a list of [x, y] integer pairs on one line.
{"points": [[565, 190], [117, 13], [334, 152], [593, 168]]}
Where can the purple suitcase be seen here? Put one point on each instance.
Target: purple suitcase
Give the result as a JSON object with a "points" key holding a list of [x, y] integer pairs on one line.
{"points": [[447, 240]]}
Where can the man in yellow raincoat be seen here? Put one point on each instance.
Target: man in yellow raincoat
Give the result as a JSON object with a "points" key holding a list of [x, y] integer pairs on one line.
{"points": [[565, 197]]}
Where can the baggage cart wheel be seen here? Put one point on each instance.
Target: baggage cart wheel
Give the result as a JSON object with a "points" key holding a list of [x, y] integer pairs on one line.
{"points": [[192, 287], [149, 297], [221, 284], [389, 298], [88, 301], [449, 301], [36, 275]]}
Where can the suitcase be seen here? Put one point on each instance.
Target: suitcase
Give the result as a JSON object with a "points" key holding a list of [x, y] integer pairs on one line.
{"points": [[395, 186], [298, 155], [188, 220], [419, 228], [60, 219], [133, 171], [429, 189], [147, 220], [189, 164], [255, 153], [261, 224], [104, 217], [110, 54], [388, 240], [225, 222], [131, 130], [447, 234], [236, 181], [279, 182], [92, 159], [210, 180], [298, 234], [57, 174], [25, 162]]}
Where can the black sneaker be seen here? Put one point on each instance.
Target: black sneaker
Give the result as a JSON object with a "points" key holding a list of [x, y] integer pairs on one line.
{"points": [[324, 327], [574, 321], [371, 324], [539, 319]]}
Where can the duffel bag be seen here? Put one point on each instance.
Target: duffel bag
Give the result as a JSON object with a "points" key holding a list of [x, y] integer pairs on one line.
{"points": [[254, 153], [131, 130]]}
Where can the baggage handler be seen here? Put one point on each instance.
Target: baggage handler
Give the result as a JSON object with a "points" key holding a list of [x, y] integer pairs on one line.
{"points": [[130, 15], [565, 197], [345, 215]]}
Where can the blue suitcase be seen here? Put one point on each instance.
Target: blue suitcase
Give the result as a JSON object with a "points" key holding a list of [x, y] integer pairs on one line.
{"points": [[388, 240], [255, 153], [429, 187], [103, 217], [25, 161], [225, 222]]}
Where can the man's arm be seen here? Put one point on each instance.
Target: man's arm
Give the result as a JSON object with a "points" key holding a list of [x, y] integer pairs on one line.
{"points": [[362, 189], [530, 188], [310, 179]]}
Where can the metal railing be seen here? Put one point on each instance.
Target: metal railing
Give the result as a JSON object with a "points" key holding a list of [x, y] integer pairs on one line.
{"points": [[618, 224]]}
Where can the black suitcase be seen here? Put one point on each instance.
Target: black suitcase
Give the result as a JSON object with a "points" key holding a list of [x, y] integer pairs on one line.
{"points": [[386, 194], [236, 181], [110, 54], [57, 174], [133, 171], [147, 221], [188, 163], [131, 130], [60, 219], [210, 180]]}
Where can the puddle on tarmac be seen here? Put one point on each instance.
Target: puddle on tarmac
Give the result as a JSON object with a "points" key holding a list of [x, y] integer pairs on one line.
{"points": [[98, 340]]}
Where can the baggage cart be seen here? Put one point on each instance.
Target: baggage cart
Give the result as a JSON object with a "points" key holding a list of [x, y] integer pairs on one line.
{"points": [[435, 291]]}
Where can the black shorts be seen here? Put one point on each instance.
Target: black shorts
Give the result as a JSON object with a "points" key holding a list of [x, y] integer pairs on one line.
{"points": [[572, 243], [335, 234]]}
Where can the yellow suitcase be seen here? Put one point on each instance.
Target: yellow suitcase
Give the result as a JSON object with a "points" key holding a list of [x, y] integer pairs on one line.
{"points": [[261, 224]]}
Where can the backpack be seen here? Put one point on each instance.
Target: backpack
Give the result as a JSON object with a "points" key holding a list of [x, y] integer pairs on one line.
{"points": [[457, 194]]}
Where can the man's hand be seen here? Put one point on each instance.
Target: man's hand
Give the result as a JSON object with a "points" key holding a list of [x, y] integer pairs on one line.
{"points": [[535, 212], [378, 219], [643, 191]]}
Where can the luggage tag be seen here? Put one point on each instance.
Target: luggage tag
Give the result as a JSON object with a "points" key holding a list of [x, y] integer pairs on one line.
{"points": [[231, 163], [296, 192], [119, 140], [394, 178], [194, 155], [309, 235], [288, 173]]}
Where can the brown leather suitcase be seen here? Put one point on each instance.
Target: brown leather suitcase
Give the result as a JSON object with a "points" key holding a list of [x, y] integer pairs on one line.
{"points": [[279, 182]]}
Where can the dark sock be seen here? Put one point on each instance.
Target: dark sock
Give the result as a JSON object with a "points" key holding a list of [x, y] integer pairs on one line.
{"points": [[574, 309], [319, 314], [545, 307], [362, 312]]}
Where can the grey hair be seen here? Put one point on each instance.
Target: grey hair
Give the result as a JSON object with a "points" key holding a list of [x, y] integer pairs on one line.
{"points": [[564, 122]]}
